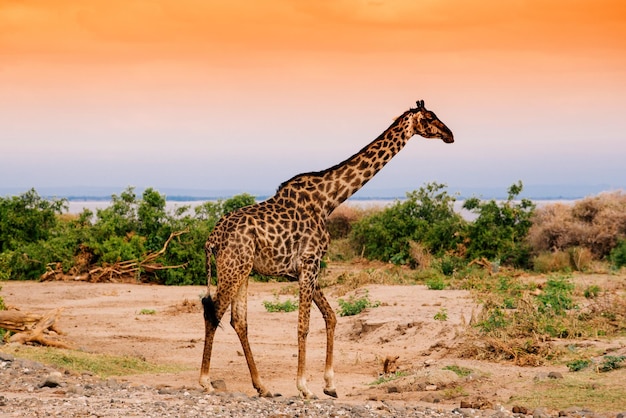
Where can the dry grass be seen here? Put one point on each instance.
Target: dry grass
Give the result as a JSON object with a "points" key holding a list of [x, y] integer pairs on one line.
{"points": [[420, 255], [599, 392]]}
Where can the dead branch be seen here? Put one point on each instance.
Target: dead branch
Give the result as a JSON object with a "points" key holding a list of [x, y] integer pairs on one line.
{"points": [[29, 327], [121, 270]]}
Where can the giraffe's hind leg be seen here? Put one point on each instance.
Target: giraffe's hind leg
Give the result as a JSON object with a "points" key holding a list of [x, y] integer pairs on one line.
{"points": [[331, 321], [214, 309], [239, 321]]}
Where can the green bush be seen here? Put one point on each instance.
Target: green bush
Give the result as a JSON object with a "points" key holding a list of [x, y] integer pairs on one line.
{"points": [[578, 365], [426, 216], [278, 306], [618, 255], [36, 236], [500, 230], [556, 297], [610, 363], [355, 305], [27, 218], [436, 283]]}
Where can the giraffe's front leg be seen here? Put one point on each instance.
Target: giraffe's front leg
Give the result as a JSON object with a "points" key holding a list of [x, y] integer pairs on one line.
{"points": [[331, 321], [239, 322], [304, 316]]}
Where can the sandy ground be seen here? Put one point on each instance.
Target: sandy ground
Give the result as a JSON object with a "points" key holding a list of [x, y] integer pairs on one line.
{"points": [[108, 318]]}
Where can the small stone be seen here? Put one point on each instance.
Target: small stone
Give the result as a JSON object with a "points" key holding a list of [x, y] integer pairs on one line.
{"points": [[392, 389], [53, 380], [431, 398], [555, 375], [7, 357], [466, 412], [219, 384], [520, 410], [112, 384], [540, 413]]}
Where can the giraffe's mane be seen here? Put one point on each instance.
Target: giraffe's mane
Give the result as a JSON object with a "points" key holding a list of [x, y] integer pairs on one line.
{"points": [[322, 172]]}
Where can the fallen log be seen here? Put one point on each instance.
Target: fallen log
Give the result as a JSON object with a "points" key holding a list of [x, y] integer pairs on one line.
{"points": [[29, 327]]}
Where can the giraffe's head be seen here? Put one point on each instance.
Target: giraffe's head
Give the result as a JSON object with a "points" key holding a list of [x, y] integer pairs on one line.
{"points": [[425, 123]]}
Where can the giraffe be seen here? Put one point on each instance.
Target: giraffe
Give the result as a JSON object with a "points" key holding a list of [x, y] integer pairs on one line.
{"points": [[286, 235]]}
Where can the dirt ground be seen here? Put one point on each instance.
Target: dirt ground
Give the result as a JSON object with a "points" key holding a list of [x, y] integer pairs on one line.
{"points": [[108, 318]]}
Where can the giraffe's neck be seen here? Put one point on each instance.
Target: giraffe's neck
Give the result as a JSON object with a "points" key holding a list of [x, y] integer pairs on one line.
{"points": [[348, 177], [325, 190]]}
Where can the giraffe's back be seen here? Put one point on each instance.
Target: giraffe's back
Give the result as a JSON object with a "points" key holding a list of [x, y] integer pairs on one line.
{"points": [[276, 238]]}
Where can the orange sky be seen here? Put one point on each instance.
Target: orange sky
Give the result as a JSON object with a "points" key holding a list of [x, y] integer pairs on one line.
{"points": [[146, 69], [76, 34]]}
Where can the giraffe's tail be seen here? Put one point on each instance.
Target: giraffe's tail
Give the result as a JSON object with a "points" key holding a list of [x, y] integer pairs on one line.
{"points": [[210, 310]]}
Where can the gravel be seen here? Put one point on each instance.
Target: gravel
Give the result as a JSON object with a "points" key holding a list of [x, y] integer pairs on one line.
{"points": [[31, 389]]}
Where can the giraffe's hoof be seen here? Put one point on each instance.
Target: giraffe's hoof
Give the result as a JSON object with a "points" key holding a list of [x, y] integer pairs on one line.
{"points": [[310, 396], [331, 392], [264, 393]]}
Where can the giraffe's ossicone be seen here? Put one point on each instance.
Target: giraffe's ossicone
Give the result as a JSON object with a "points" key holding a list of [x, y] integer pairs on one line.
{"points": [[286, 235]]}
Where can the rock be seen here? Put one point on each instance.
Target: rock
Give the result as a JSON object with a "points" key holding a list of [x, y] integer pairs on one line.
{"points": [[520, 410], [219, 384], [113, 384], [555, 375], [466, 412], [431, 398], [540, 413], [53, 380], [7, 357]]}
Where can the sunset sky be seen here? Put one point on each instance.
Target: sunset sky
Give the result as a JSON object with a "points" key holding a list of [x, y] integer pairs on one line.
{"points": [[242, 95]]}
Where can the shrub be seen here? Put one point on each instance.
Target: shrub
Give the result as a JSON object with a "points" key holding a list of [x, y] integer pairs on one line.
{"points": [[556, 296], [580, 258], [551, 262], [36, 237], [597, 223], [426, 216], [27, 219], [500, 230], [436, 283], [278, 306], [578, 365], [442, 315], [592, 291], [355, 305], [618, 255], [611, 363]]}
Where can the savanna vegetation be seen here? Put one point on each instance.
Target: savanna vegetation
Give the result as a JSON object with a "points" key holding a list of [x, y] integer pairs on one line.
{"points": [[137, 237], [517, 258]]}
